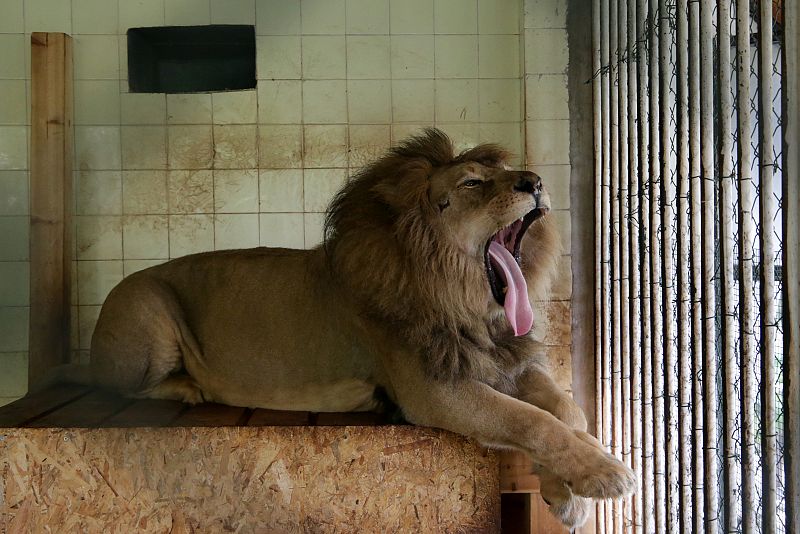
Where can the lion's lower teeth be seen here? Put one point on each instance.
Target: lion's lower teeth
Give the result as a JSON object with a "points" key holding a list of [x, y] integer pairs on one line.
{"points": [[505, 290]]}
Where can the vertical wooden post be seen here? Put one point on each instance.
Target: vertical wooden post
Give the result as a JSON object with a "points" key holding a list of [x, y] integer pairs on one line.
{"points": [[51, 199]]}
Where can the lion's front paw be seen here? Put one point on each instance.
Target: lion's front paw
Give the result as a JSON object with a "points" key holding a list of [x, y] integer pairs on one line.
{"points": [[570, 509], [602, 477], [573, 512]]}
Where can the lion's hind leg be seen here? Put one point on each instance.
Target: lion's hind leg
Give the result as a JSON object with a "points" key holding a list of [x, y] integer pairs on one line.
{"points": [[140, 342], [180, 387]]}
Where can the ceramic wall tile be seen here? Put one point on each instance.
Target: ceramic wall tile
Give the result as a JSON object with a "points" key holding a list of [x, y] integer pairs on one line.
{"points": [[281, 190], [234, 231], [367, 17], [282, 230]]}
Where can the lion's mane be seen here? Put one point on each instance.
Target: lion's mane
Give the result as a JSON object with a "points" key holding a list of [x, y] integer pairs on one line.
{"points": [[386, 245]]}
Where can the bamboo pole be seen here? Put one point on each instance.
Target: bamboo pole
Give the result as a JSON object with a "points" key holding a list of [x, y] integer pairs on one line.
{"points": [[616, 315], [708, 264], [597, 97], [666, 207], [656, 376], [684, 270], [696, 248], [634, 267], [727, 232], [648, 517], [791, 264], [746, 237], [605, 52], [767, 273], [623, 203]]}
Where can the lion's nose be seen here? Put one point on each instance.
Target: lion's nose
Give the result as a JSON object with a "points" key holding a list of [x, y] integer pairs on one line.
{"points": [[528, 182]]}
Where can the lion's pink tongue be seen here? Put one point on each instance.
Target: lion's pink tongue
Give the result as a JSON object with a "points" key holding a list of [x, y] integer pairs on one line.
{"points": [[517, 306]]}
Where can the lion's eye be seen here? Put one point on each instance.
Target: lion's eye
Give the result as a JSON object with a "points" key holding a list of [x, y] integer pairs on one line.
{"points": [[472, 183]]}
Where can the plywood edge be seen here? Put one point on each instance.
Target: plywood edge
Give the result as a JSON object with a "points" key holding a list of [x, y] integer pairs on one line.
{"points": [[284, 479]]}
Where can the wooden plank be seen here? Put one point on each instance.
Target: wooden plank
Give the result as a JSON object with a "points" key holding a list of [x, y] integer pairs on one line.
{"points": [[38, 404], [515, 513], [515, 473], [213, 414], [89, 411], [542, 521], [247, 479], [351, 419], [50, 200], [527, 512], [147, 413], [262, 417]]}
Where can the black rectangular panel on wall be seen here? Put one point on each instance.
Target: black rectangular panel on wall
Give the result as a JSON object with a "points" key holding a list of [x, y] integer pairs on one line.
{"points": [[191, 59]]}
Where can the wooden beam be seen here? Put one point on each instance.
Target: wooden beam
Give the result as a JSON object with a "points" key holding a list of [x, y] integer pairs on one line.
{"points": [[50, 201]]}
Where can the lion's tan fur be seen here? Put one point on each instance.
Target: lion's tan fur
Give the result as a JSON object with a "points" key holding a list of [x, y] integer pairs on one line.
{"points": [[396, 300]]}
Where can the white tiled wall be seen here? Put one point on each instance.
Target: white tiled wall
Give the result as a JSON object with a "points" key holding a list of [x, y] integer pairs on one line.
{"points": [[159, 176]]}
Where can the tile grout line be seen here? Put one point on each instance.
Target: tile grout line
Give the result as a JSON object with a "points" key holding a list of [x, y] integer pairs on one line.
{"points": [[435, 77], [303, 129], [391, 73], [348, 147], [258, 128]]}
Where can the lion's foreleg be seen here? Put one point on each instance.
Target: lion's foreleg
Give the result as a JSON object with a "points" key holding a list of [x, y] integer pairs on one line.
{"points": [[535, 386], [474, 409]]}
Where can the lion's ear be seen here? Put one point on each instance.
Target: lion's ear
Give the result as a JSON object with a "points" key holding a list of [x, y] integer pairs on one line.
{"points": [[488, 154], [407, 188]]}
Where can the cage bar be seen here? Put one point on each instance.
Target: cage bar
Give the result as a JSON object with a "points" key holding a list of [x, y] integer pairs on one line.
{"points": [[746, 232], [684, 292], [698, 478], [679, 284], [643, 83], [728, 286], [616, 283], [624, 248], [634, 266], [791, 266], [767, 273], [605, 315], [597, 101], [656, 275], [600, 413], [708, 263], [666, 228]]}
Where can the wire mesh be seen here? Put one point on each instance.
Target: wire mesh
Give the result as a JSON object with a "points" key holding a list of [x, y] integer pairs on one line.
{"points": [[694, 92]]}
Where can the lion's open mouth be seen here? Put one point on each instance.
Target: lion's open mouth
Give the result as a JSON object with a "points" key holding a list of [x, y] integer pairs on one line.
{"points": [[502, 261]]}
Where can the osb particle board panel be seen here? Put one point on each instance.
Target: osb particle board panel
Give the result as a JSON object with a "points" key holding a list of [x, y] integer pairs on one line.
{"points": [[246, 479]]}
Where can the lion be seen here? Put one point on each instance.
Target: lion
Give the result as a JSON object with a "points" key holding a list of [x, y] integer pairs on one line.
{"points": [[420, 292]]}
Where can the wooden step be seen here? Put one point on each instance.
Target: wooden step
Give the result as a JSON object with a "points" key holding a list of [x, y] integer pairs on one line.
{"points": [[80, 460]]}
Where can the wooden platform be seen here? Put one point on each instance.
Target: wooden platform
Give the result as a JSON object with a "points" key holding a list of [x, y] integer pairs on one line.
{"points": [[73, 459], [72, 406]]}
